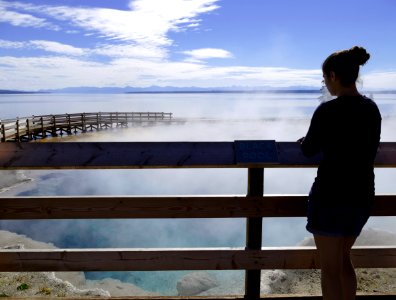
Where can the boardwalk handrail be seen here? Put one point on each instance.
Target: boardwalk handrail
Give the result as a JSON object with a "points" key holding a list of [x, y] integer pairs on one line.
{"points": [[28, 128], [151, 155]]}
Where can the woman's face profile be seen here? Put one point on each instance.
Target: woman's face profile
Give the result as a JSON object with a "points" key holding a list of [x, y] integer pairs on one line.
{"points": [[327, 80]]}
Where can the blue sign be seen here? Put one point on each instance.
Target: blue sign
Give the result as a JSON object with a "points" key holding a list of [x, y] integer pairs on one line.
{"points": [[261, 152]]}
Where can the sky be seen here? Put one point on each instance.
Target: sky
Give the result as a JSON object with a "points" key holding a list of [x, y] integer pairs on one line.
{"points": [[47, 44]]}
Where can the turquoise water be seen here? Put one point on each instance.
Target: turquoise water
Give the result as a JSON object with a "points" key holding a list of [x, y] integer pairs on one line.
{"points": [[218, 117]]}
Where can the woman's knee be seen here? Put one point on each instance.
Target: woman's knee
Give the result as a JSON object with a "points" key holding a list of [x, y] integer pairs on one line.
{"points": [[331, 253], [348, 243]]}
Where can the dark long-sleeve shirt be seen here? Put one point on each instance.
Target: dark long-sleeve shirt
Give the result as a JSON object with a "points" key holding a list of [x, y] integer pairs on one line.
{"points": [[347, 132]]}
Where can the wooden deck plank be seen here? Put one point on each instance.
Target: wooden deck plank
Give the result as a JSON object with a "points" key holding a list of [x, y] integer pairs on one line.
{"points": [[183, 259]]}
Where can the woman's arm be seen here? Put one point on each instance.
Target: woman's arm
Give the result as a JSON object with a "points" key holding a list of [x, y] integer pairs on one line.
{"points": [[311, 143]]}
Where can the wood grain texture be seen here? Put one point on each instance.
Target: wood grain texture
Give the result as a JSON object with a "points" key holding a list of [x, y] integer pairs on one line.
{"points": [[116, 155], [119, 207], [183, 259], [133, 155]]}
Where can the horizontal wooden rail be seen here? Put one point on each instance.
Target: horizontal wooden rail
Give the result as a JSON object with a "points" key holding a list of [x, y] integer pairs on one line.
{"points": [[137, 155], [115, 207], [183, 259]]}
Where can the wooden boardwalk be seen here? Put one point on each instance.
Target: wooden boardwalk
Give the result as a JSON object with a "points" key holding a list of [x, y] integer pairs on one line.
{"points": [[29, 128], [254, 156]]}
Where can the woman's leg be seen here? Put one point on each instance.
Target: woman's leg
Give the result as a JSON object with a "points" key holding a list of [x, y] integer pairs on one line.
{"points": [[330, 252], [338, 275], [349, 282]]}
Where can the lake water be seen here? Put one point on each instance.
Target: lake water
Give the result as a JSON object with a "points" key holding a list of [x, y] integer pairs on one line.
{"points": [[205, 117], [238, 105]]}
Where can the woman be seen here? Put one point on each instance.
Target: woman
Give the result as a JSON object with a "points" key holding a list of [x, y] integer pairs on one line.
{"points": [[346, 131]]}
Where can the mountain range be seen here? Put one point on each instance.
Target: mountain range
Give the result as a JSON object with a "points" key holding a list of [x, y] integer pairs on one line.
{"points": [[165, 89], [172, 89]]}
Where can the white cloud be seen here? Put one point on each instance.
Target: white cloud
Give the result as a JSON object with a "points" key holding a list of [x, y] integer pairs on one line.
{"points": [[48, 46], [11, 45], [379, 80], [56, 47], [57, 72], [197, 55], [174, 12], [21, 19], [193, 25], [125, 50], [18, 19], [148, 21], [33, 73], [142, 30], [109, 50]]}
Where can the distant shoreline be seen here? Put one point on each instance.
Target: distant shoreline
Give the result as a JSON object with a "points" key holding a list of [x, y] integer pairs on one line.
{"points": [[112, 92], [230, 92], [6, 92], [164, 92]]}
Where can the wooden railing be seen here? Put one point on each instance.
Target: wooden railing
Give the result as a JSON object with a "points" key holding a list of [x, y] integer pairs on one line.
{"points": [[28, 128], [255, 156]]}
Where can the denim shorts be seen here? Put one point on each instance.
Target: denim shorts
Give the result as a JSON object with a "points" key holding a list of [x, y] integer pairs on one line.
{"points": [[338, 218]]}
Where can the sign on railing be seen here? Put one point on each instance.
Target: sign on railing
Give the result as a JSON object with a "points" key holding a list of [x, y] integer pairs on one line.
{"points": [[249, 152]]}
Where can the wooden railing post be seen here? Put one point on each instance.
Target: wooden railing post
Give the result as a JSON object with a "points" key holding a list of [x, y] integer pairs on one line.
{"points": [[17, 130], [54, 126], [83, 125], [90, 121], [43, 134], [254, 233], [3, 135], [69, 128], [29, 136]]}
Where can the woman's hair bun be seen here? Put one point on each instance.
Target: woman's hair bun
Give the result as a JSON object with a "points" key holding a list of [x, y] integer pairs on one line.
{"points": [[359, 55]]}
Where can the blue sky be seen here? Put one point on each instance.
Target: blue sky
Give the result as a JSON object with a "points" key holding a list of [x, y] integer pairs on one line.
{"points": [[204, 43]]}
